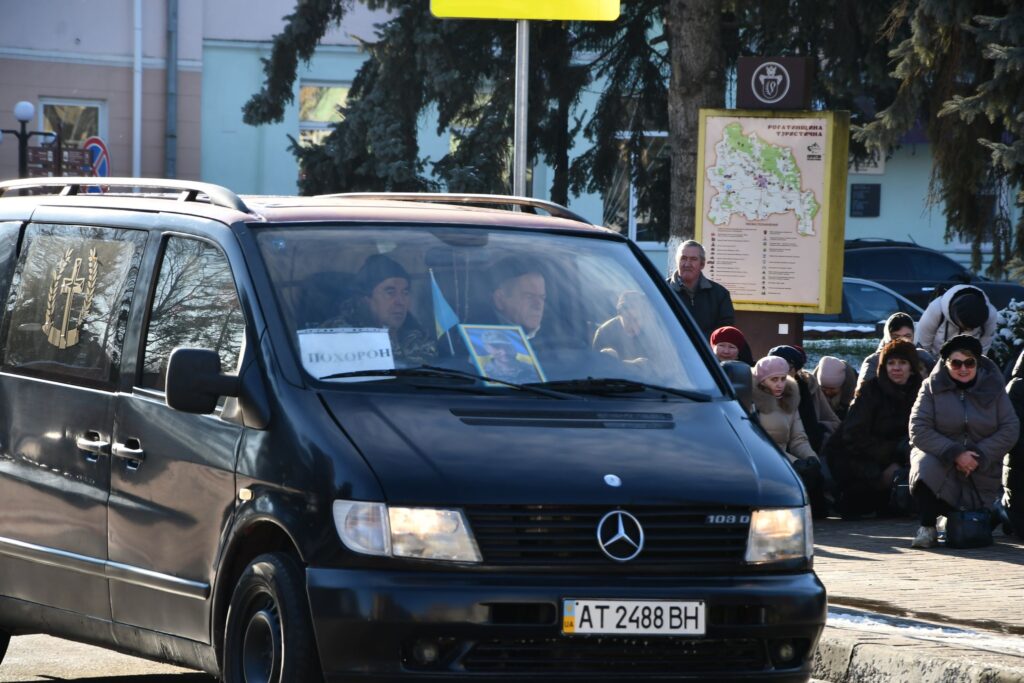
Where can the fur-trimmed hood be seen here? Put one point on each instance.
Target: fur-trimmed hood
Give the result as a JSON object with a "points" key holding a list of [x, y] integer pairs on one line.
{"points": [[789, 403]]}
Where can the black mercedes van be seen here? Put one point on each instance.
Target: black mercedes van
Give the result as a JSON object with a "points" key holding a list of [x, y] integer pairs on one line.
{"points": [[377, 438]]}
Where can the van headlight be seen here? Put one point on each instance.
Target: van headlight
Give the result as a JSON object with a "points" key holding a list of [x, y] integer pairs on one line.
{"points": [[421, 533], [780, 534]]}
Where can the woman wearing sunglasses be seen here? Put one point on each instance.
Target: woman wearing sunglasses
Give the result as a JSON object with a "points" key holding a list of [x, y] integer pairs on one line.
{"points": [[961, 426]]}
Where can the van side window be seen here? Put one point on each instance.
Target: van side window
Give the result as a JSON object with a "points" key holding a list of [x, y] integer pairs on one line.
{"points": [[195, 305], [69, 302]]}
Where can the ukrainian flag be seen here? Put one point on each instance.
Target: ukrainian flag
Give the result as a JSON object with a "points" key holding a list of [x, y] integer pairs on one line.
{"points": [[444, 317]]}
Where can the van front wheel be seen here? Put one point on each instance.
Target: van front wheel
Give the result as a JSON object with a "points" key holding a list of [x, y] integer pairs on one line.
{"points": [[269, 637]]}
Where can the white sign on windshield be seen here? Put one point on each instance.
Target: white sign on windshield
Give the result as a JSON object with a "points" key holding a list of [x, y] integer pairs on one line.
{"points": [[330, 351]]}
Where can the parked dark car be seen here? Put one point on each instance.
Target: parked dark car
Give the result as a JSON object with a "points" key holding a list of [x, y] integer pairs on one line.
{"points": [[370, 438], [866, 305], [917, 272]]}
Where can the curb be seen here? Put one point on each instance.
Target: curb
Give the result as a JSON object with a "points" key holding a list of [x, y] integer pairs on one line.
{"points": [[848, 656]]}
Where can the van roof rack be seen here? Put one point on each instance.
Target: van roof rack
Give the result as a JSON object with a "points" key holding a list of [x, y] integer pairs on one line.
{"points": [[553, 209], [188, 190]]}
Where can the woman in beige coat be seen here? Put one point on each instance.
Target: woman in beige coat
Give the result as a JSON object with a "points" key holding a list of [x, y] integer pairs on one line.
{"points": [[776, 401], [961, 426]]}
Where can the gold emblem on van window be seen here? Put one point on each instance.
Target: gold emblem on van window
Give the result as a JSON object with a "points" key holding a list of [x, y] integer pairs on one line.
{"points": [[62, 291]]}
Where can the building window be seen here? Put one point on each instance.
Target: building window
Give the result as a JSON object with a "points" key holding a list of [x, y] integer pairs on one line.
{"points": [[318, 111], [77, 120], [621, 206]]}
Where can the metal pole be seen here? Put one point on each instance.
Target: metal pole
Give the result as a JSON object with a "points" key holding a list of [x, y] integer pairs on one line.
{"points": [[23, 151], [522, 92]]}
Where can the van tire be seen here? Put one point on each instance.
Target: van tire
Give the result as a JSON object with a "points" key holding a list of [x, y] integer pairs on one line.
{"points": [[268, 637]]}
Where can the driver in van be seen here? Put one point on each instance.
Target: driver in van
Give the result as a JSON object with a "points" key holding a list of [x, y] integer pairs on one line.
{"points": [[519, 295], [382, 300]]}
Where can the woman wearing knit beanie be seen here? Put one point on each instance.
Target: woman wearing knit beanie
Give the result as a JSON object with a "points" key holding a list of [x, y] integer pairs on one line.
{"points": [[729, 343], [961, 427], [817, 415], [961, 310], [872, 446], [837, 381], [776, 398]]}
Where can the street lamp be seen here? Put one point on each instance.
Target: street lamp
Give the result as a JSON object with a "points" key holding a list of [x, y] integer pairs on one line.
{"points": [[24, 111]]}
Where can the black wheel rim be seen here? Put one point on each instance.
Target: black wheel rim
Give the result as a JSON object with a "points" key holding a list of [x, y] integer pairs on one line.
{"points": [[261, 643]]}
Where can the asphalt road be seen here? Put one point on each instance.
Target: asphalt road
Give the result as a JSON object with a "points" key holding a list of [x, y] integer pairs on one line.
{"points": [[42, 658]]}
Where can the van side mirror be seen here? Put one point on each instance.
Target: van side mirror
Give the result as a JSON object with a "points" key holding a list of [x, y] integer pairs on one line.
{"points": [[194, 381], [742, 381]]}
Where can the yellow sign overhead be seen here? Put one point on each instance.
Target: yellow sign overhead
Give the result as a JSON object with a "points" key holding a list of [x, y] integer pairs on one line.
{"points": [[558, 10]]}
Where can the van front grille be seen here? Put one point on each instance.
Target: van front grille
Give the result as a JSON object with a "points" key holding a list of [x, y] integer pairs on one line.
{"points": [[560, 536]]}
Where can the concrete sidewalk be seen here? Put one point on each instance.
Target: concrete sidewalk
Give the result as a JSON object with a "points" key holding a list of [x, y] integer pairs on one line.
{"points": [[958, 614]]}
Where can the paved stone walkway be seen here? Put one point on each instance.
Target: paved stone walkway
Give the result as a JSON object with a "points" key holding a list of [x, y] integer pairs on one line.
{"points": [[870, 564]]}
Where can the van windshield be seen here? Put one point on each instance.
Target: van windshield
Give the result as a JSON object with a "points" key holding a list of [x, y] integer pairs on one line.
{"points": [[516, 307]]}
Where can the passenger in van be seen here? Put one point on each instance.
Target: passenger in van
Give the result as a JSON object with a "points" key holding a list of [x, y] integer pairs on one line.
{"points": [[382, 299], [519, 295], [624, 335], [776, 400]]}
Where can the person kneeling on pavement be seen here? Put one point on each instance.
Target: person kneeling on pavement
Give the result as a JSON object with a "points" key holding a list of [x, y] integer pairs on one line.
{"points": [[870, 453], [899, 325], [962, 425], [818, 419], [776, 399], [837, 381]]}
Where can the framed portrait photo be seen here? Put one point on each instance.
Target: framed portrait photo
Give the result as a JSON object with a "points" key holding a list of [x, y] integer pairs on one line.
{"points": [[502, 352]]}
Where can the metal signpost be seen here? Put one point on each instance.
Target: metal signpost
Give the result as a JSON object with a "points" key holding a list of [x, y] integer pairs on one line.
{"points": [[523, 11]]}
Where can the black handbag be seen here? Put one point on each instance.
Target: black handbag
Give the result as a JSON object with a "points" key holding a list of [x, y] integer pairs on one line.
{"points": [[969, 526]]}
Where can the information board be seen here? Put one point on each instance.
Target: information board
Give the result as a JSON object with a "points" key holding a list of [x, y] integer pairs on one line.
{"points": [[771, 201]]}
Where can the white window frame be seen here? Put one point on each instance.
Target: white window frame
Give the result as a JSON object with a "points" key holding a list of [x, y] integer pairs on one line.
{"points": [[101, 106], [305, 125]]}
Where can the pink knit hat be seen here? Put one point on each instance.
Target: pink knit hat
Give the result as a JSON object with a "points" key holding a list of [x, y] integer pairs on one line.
{"points": [[769, 366], [831, 372]]}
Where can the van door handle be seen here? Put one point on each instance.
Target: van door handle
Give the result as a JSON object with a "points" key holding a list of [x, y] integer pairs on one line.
{"points": [[131, 452], [93, 445]]}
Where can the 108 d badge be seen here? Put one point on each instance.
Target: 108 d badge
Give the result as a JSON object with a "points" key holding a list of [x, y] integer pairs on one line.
{"points": [[633, 617]]}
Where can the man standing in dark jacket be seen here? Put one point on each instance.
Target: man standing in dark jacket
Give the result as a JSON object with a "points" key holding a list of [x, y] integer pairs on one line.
{"points": [[708, 301]]}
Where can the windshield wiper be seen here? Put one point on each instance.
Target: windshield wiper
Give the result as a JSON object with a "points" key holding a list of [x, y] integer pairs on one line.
{"points": [[436, 371], [618, 385]]}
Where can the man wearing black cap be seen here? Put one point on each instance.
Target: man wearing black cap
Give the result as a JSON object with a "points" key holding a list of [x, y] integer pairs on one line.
{"points": [[963, 309], [383, 300]]}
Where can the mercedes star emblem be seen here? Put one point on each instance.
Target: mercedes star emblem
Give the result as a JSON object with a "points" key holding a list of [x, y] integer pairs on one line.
{"points": [[620, 536], [612, 480]]}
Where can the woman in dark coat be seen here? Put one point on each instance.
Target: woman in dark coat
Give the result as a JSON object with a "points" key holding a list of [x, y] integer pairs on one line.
{"points": [[872, 443], [1013, 464], [961, 427]]}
